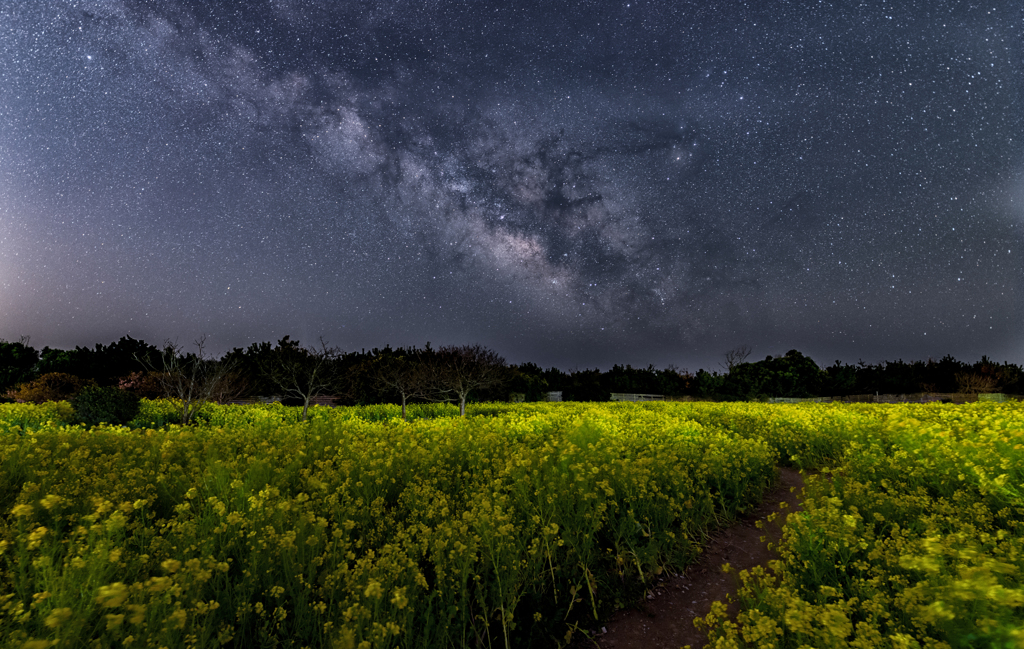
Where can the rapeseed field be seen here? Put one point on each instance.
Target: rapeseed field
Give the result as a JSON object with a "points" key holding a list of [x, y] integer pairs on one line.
{"points": [[916, 539], [520, 525]]}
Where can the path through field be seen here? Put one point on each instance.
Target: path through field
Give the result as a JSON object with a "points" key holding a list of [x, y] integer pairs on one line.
{"points": [[666, 618]]}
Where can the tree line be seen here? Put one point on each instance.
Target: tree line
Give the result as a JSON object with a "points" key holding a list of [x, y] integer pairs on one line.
{"points": [[798, 376], [296, 374], [300, 373]]}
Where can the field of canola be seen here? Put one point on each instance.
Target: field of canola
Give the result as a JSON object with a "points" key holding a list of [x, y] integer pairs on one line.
{"points": [[520, 525]]}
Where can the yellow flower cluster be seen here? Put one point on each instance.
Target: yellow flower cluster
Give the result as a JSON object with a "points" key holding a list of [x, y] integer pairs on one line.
{"points": [[20, 418], [513, 526], [914, 539]]}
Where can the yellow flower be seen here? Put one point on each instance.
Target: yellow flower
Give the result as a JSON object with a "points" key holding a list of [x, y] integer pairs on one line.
{"points": [[373, 589], [22, 511], [35, 538], [112, 596], [137, 613], [399, 599], [115, 522], [57, 617], [177, 619]]}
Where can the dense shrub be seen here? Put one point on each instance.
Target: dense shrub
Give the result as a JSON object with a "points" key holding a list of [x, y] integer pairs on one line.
{"points": [[55, 386], [95, 405]]}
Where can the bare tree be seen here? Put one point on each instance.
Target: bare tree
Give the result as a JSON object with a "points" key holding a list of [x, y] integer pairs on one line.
{"points": [[194, 378], [735, 356], [302, 372], [411, 378], [460, 370], [233, 386], [975, 383]]}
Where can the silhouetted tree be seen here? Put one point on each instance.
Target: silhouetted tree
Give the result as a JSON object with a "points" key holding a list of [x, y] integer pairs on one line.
{"points": [[735, 356], [193, 378], [975, 383], [302, 373], [408, 374], [105, 364], [527, 379], [17, 361], [708, 385], [457, 371], [796, 375], [840, 380], [792, 375], [249, 365], [630, 379], [585, 385], [673, 381]]}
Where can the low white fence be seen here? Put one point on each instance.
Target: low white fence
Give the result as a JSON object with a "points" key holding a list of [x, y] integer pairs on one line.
{"points": [[636, 396]]}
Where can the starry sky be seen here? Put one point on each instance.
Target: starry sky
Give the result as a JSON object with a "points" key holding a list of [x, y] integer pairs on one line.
{"points": [[575, 183]]}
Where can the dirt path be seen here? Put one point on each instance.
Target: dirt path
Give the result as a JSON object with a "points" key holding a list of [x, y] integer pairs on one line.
{"points": [[666, 618]]}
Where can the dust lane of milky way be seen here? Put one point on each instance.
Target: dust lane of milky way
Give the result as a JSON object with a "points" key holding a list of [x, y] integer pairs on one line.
{"points": [[574, 184]]}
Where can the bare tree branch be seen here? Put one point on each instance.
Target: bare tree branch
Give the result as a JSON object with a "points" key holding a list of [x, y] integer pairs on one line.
{"points": [[411, 378], [193, 378], [302, 372], [460, 370], [975, 383], [735, 356]]}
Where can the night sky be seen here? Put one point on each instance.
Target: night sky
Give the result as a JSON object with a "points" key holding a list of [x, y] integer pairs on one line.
{"points": [[571, 183]]}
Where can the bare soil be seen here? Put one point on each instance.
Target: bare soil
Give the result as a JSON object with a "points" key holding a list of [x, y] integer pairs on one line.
{"points": [[666, 618]]}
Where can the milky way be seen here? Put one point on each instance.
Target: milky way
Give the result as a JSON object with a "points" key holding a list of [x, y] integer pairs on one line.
{"points": [[576, 184]]}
